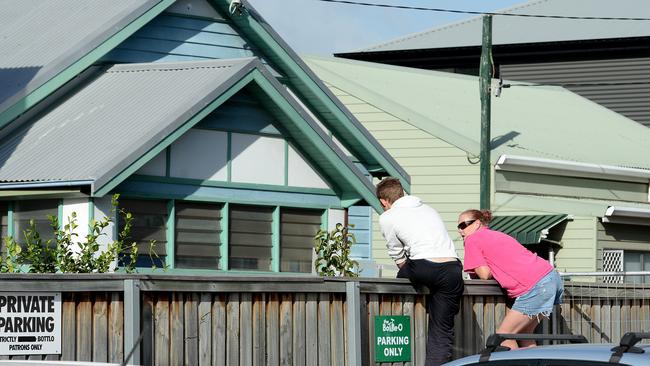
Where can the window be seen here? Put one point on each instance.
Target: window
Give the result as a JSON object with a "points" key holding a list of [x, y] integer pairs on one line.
{"points": [[250, 237], [149, 223], [636, 261], [198, 235], [37, 210], [5, 219], [297, 230], [258, 238]]}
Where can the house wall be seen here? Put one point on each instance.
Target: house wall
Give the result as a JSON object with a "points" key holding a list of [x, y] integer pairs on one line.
{"points": [[578, 235], [178, 37], [444, 178], [561, 186], [440, 173], [621, 236], [618, 90], [81, 208]]}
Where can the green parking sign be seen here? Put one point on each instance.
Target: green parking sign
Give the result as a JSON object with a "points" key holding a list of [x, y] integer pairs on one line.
{"points": [[392, 338]]}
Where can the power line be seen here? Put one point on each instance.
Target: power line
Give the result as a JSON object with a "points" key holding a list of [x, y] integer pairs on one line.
{"points": [[349, 2], [581, 84]]}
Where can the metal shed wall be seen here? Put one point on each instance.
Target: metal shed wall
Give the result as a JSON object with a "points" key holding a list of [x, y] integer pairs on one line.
{"points": [[622, 85]]}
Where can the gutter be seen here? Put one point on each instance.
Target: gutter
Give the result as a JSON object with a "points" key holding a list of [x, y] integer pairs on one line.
{"points": [[515, 163], [627, 215], [28, 185]]}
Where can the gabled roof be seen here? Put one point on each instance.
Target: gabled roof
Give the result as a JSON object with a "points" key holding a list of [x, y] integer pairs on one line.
{"points": [[102, 26], [518, 30], [106, 130], [47, 43], [314, 93], [543, 122]]}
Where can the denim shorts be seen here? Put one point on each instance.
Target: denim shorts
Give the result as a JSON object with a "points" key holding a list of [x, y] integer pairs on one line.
{"points": [[540, 299]]}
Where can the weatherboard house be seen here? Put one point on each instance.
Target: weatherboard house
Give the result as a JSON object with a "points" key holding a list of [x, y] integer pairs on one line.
{"points": [[227, 149], [576, 194]]}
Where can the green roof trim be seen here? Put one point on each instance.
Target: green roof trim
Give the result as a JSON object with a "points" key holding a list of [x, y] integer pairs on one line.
{"points": [[313, 92], [33, 98], [527, 229]]}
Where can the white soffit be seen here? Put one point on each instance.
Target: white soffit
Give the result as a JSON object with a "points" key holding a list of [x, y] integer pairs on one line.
{"points": [[526, 164]]}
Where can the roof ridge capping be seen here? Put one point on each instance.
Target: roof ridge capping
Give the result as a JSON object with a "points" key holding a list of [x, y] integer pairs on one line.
{"points": [[527, 164], [181, 65], [443, 27]]}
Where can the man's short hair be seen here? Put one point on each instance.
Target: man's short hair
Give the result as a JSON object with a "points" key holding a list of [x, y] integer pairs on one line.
{"points": [[390, 189]]}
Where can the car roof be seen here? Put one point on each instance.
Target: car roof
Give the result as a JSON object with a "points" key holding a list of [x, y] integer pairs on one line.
{"points": [[578, 352]]}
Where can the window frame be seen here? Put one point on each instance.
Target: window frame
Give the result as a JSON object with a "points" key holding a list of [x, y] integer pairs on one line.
{"points": [[170, 255]]}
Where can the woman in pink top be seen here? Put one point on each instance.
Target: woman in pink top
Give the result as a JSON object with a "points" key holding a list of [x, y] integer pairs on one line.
{"points": [[530, 280]]}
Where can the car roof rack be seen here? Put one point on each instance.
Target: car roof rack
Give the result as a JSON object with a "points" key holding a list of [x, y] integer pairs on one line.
{"points": [[628, 341], [493, 343]]}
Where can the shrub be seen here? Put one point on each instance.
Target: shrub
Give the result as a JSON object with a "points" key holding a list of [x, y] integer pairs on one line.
{"points": [[333, 252], [67, 254]]}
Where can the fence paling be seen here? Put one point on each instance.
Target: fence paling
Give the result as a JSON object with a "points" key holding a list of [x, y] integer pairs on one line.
{"points": [[204, 321]]}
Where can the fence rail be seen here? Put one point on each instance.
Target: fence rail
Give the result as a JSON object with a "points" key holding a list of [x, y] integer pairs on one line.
{"points": [[228, 320]]}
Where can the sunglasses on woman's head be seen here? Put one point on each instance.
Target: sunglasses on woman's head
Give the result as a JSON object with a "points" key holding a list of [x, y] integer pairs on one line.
{"points": [[465, 224]]}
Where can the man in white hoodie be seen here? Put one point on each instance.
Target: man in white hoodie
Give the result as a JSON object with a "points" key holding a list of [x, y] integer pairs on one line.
{"points": [[417, 240]]}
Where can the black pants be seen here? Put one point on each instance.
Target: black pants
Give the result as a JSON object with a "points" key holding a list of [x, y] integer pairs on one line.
{"points": [[445, 284]]}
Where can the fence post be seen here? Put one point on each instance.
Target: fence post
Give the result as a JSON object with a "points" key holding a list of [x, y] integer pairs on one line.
{"points": [[132, 321], [353, 300]]}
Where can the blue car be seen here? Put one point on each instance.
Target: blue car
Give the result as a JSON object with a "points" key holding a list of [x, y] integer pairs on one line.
{"points": [[628, 352]]}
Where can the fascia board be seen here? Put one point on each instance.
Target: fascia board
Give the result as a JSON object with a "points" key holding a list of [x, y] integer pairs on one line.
{"points": [[572, 169]]}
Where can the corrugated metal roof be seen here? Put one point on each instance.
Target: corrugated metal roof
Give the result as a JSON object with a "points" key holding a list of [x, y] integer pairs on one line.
{"points": [[513, 30], [115, 119], [544, 122], [105, 126], [527, 229], [39, 39]]}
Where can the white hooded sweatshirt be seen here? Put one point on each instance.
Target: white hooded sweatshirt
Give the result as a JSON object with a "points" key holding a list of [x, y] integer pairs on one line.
{"points": [[416, 231]]}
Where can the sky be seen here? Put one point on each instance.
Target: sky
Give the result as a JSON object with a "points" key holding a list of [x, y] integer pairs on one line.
{"points": [[314, 27]]}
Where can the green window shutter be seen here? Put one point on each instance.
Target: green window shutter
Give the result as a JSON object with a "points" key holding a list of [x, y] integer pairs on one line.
{"points": [[297, 230], [197, 236], [250, 237]]}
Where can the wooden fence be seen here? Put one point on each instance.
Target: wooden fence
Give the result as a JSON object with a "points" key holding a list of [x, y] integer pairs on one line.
{"points": [[272, 320]]}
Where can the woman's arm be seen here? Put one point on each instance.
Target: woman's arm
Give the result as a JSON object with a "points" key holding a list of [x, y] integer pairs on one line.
{"points": [[483, 272]]}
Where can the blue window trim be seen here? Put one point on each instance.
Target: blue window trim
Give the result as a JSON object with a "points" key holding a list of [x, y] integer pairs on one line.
{"points": [[10, 219], [170, 257]]}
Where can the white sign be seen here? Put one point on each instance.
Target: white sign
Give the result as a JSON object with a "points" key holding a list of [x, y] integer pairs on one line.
{"points": [[30, 323]]}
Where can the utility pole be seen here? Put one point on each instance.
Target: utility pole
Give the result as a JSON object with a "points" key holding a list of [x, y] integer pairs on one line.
{"points": [[485, 81]]}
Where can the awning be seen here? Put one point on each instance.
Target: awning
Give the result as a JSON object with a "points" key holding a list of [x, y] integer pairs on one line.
{"points": [[527, 229]]}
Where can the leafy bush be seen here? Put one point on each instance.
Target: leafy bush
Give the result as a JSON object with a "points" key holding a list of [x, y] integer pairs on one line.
{"points": [[66, 254], [333, 252]]}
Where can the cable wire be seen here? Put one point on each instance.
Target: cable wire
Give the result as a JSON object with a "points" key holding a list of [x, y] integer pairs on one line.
{"points": [[441, 10], [580, 84]]}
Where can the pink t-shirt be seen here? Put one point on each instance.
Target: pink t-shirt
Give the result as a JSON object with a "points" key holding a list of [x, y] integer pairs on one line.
{"points": [[514, 267]]}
